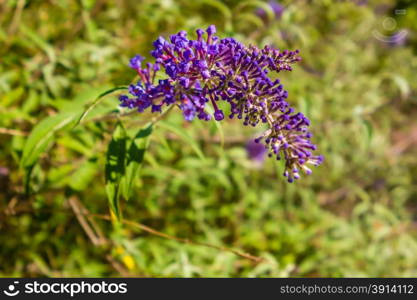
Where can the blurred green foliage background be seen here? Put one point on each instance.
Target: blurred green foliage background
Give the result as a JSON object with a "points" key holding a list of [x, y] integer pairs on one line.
{"points": [[354, 216]]}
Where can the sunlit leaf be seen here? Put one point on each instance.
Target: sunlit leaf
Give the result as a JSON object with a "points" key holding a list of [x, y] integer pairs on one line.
{"points": [[42, 134], [402, 85], [368, 131], [39, 41], [39, 139]]}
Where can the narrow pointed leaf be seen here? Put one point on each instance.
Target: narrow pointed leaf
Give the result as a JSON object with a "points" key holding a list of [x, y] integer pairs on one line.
{"points": [[115, 167], [42, 134], [134, 159]]}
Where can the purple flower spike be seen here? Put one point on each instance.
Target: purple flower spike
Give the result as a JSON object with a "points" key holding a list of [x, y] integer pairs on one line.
{"points": [[136, 62], [206, 70]]}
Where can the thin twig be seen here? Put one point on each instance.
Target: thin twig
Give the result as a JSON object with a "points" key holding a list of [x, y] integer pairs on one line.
{"points": [[79, 213], [94, 233], [16, 17], [9, 131], [117, 266], [152, 231], [93, 223]]}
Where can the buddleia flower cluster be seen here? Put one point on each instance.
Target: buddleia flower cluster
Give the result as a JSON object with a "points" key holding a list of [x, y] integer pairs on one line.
{"points": [[202, 72]]}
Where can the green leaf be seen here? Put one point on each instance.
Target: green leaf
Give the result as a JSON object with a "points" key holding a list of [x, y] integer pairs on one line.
{"points": [[11, 97], [402, 85], [83, 176], [223, 9], [31, 103], [257, 4], [134, 159], [179, 131], [60, 176], [227, 14], [39, 139], [97, 100], [38, 41], [73, 143], [115, 167], [250, 18], [369, 132], [41, 135]]}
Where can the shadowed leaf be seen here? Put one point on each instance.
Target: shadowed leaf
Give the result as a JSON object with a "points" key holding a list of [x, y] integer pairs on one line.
{"points": [[115, 167], [134, 159]]}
